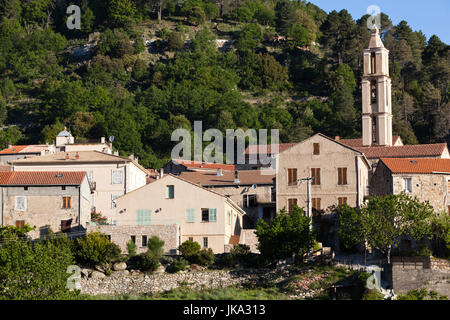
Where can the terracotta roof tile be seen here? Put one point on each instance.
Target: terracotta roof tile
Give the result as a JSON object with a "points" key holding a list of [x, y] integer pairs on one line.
{"points": [[417, 165], [252, 149], [13, 149], [407, 151], [246, 177], [355, 143], [204, 165], [42, 178], [32, 148]]}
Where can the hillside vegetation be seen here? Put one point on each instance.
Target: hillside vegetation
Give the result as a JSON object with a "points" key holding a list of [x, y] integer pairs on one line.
{"points": [[156, 67]]}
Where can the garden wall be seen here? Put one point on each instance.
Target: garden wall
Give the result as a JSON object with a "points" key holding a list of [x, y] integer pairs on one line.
{"points": [[409, 273]]}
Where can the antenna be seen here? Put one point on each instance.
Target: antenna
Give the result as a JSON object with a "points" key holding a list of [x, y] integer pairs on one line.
{"points": [[111, 138], [254, 186]]}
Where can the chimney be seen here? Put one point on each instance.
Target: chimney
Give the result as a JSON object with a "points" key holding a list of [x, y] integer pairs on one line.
{"points": [[67, 156], [236, 177], [161, 175], [77, 156], [219, 172], [102, 140], [9, 145], [337, 138]]}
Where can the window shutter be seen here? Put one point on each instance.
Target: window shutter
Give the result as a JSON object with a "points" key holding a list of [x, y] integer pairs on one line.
{"points": [[212, 215], [316, 148], [190, 215], [139, 217], [344, 175]]}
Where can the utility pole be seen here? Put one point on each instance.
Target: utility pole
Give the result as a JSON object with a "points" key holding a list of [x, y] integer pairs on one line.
{"points": [[309, 205]]}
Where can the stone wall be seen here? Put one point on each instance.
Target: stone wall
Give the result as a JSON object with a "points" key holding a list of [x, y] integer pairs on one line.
{"points": [[120, 235], [249, 238], [409, 273]]}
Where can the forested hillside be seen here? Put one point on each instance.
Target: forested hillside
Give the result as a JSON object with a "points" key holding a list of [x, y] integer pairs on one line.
{"points": [[287, 65]]}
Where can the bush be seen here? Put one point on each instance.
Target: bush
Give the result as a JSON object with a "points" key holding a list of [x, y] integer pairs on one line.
{"points": [[175, 41], [96, 249], [147, 261], [211, 11], [131, 248], [179, 264], [30, 271], [372, 294], [189, 250], [205, 257], [155, 245], [197, 16]]}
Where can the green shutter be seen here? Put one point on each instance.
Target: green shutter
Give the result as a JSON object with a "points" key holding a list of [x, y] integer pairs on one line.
{"points": [[190, 215], [212, 215], [144, 217]]}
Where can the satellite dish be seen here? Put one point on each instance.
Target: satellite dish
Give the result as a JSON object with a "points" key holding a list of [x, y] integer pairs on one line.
{"points": [[111, 138], [254, 186]]}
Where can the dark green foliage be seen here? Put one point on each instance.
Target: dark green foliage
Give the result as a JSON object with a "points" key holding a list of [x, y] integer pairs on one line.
{"points": [[179, 264], [131, 248], [35, 271], [155, 245], [350, 230], [285, 235], [147, 261], [205, 257], [421, 294], [96, 249], [175, 41], [189, 250]]}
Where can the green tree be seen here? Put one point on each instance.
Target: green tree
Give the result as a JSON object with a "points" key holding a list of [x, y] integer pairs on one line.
{"points": [[285, 235], [121, 12], [96, 249], [386, 219], [197, 16], [10, 135], [350, 231]]}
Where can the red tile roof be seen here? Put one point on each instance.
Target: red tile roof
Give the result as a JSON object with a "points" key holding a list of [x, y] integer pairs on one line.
{"points": [[417, 165], [246, 177], [24, 178], [204, 165], [13, 149], [407, 151], [355, 143], [260, 149]]}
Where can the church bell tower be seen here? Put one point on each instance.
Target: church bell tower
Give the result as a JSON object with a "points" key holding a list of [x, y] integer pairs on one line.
{"points": [[376, 94]]}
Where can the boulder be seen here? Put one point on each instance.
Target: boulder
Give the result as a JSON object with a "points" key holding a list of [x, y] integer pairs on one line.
{"points": [[85, 273], [97, 275], [160, 269], [119, 266], [120, 273]]}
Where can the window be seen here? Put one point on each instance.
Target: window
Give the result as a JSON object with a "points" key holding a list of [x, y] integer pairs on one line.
{"points": [[113, 200], [316, 205], [316, 147], [342, 175], [66, 202], [144, 241], [205, 215], [20, 203], [291, 204], [374, 129], [292, 177], [205, 242], [373, 63], [407, 185], [267, 213], [170, 192], [20, 223], [315, 174], [143, 217], [190, 215], [63, 188], [66, 225], [273, 194], [373, 91], [117, 177], [133, 238], [109, 237], [249, 200], [342, 201], [25, 188], [191, 239]]}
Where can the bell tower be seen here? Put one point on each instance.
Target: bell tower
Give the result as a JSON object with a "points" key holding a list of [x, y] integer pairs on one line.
{"points": [[376, 94]]}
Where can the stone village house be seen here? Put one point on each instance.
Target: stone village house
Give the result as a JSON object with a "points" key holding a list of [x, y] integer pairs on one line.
{"points": [[110, 176], [53, 199], [175, 210]]}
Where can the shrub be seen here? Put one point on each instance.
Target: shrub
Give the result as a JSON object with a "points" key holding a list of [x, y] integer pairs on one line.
{"points": [[205, 257], [147, 261], [197, 16], [131, 248], [155, 245], [175, 41], [239, 250], [372, 294], [189, 250], [35, 271], [211, 11], [179, 264], [96, 249]]}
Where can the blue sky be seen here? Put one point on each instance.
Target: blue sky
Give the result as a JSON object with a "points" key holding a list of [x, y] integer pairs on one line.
{"points": [[430, 16]]}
